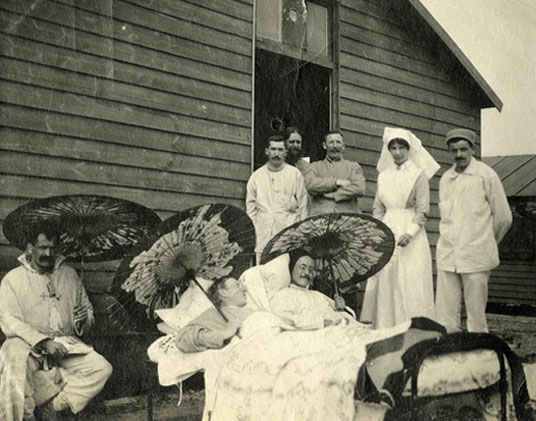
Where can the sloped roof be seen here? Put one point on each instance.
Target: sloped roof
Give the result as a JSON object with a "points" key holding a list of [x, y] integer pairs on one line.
{"points": [[494, 99], [517, 173]]}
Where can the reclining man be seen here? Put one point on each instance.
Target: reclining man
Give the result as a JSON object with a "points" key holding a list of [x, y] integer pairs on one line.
{"points": [[209, 330], [43, 310], [298, 306], [302, 307]]}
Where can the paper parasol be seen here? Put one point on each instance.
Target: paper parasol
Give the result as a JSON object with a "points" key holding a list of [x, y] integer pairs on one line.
{"points": [[208, 241], [347, 247], [92, 228]]}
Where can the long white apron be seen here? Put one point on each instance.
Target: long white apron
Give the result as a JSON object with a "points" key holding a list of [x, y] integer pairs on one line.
{"points": [[404, 287]]}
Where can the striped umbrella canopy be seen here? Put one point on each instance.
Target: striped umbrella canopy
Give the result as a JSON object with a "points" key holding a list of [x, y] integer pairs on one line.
{"points": [[347, 247], [92, 228], [208, 241]]}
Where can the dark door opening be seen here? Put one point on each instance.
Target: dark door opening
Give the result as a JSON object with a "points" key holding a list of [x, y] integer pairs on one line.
{"points": [[290, 92]]}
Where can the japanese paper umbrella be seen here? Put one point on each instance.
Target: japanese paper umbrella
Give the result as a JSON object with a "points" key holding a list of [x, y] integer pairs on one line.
{"points": [[92, 228], [208, 241], [347, 247]]}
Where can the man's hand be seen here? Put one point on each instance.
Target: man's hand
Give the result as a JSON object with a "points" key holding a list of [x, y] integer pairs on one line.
{"points": [[343, 319], [231, 329], [342, 182], [404, 240], [55, 350], [339, 303]]}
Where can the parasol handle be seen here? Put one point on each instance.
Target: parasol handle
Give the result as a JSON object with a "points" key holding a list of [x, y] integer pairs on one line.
{"points": [[210, 299], [333, 279], [82, 268]]}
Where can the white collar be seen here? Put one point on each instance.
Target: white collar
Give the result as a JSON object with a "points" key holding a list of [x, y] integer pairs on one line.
{"points": [[471, 169], [299, 287], [406, 165], [26, 261]]}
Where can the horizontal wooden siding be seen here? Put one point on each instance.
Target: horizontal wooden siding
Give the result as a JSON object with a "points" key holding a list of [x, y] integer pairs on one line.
{"points": [[148, 101]]}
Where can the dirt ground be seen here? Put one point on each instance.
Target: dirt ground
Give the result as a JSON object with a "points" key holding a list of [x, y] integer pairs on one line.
{"points": [[165, 407], [518, 331]]}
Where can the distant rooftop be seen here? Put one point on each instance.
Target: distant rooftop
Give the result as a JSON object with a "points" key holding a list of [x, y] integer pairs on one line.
{"points": [[517, 173]]}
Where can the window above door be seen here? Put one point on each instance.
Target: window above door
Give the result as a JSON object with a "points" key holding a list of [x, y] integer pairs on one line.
{"points": [[297, 28]]}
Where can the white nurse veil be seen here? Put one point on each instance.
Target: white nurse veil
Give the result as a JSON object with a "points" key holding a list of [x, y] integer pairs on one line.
{"points": [[418, 155]]}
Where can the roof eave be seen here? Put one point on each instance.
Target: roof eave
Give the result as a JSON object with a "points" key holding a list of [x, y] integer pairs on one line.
{"points": [[494, 100]]}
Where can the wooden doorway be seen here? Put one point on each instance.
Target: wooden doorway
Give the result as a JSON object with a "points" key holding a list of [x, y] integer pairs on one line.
{"points": [[290, 92]]}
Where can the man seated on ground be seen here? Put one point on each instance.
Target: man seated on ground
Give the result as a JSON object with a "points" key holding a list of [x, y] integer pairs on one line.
{"points": [[43, 310], [209, 330], [302, 307]]}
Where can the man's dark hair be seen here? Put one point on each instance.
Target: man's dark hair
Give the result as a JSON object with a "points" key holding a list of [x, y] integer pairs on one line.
{"points": [[289, 130], [296, 255], [49, 228], [275, 138], [332, 132]]}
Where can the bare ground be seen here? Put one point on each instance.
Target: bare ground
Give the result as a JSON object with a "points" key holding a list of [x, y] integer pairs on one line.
{"points": [[518, 331]]}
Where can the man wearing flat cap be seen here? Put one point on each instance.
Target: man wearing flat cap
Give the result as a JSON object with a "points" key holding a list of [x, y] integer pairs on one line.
{"points": [[475, 216]]}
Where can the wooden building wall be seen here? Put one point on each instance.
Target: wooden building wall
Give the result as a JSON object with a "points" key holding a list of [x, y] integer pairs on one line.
{"points": [[151, 101], [513, 283], [143, 100], [391, 74], [148, 101]]}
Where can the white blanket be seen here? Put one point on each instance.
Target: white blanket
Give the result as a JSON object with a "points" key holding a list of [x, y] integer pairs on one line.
{"points": [[275, 373]]}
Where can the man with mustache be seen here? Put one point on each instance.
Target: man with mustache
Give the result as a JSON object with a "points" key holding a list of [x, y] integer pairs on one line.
{"points": [[475, 216], [276, 195], [43, 311], [335, 183], [293, 142], [302, 307]]}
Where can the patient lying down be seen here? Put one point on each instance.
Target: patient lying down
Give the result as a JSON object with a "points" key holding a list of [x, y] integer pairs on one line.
{"points": [[302, 307], [210, 330], [298, 307], [275, 369]]}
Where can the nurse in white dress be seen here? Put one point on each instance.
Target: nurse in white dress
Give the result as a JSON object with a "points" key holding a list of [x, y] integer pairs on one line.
{"points": [[404, 287]]}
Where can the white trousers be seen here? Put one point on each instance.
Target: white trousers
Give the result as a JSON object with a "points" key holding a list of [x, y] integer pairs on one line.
{"points": [[449, 299], [85, 376]]}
